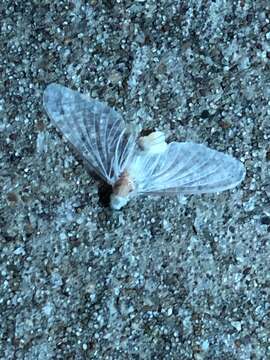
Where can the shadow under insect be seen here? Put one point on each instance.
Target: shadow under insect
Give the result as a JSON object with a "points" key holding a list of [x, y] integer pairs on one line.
{"points": [[104, 193]]}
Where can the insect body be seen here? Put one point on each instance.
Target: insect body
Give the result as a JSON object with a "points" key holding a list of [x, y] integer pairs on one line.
{"points": [[137, 165], [122, 189]]}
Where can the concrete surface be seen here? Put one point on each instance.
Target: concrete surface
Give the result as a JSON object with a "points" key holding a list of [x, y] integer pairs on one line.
{"points": [[164, 278]]}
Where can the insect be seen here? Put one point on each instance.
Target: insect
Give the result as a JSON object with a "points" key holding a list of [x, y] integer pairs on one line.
{"points": [[133, 164]]}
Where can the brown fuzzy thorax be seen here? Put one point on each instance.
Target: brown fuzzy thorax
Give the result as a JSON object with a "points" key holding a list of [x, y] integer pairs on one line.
{"points": [[124, 185]]}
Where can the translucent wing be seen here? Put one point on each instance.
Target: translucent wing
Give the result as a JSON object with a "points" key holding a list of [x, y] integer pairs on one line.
{"points": [[186, 168], [97, 131]]}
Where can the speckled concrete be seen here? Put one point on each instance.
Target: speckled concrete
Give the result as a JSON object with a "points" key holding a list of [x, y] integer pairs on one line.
{"points": [[185, 278]]}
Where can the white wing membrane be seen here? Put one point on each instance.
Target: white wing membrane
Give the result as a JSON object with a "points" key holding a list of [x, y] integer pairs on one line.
{"points": [[186, 168], [97, 131]]}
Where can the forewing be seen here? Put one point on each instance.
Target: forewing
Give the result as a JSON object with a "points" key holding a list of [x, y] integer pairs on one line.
{"points": [[97, 131], [186, 168]]}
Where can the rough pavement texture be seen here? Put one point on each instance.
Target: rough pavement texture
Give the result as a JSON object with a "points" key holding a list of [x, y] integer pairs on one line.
{"points": [[164, 278]]}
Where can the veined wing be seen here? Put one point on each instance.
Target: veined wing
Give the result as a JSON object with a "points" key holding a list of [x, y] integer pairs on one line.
{"points": [[186, 168], [97, 131]]}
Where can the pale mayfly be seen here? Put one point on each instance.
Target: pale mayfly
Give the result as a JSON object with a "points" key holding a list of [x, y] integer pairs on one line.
{"points": [[132, 164]]}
